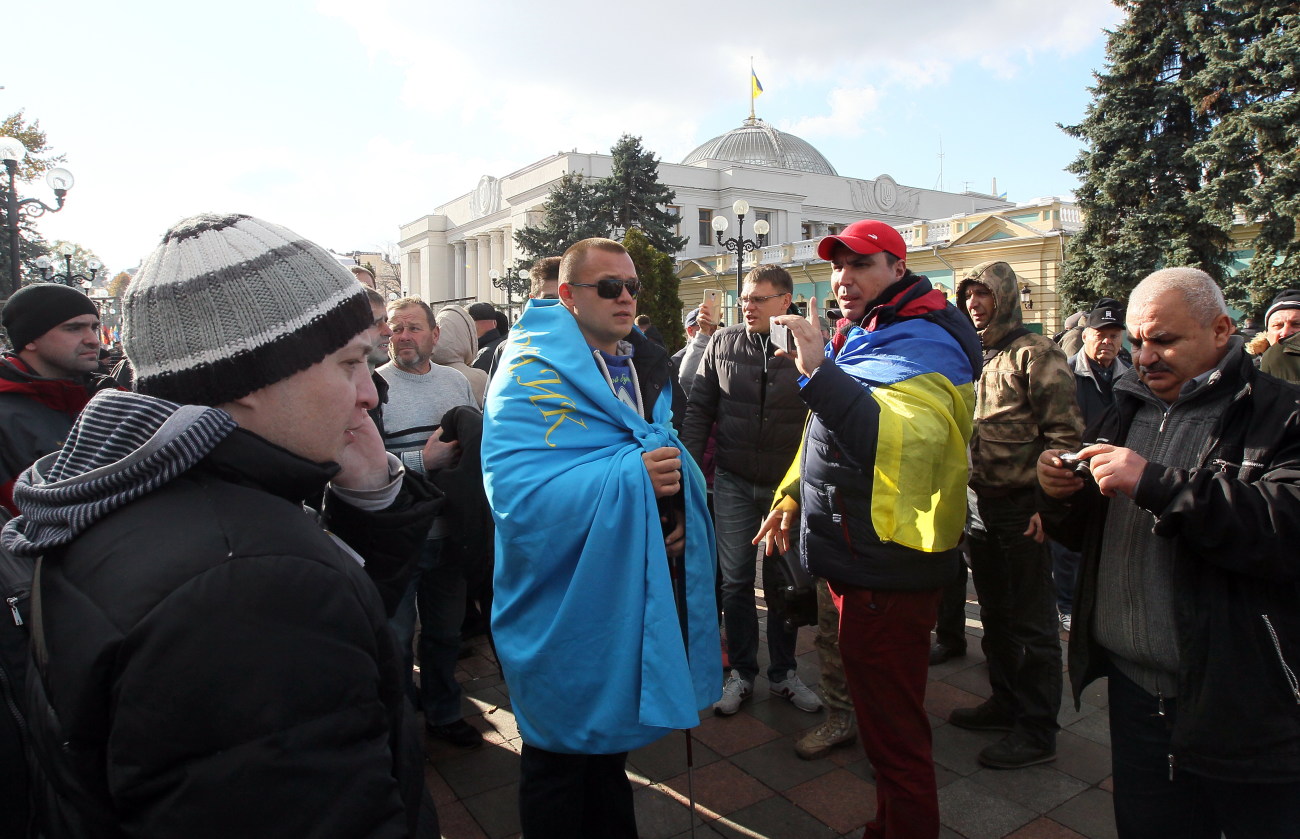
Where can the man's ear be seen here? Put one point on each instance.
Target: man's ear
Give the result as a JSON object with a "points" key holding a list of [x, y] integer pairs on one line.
{"points": [[1223, 330]]}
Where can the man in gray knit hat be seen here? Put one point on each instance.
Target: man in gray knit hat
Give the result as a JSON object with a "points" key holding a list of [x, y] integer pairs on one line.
{"points": [[1188, 599], [212, 660]]}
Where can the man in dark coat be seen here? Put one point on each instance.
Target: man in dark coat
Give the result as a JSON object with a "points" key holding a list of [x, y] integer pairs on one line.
{"points": [[1187, 599], [48, 377], [210, 660]]}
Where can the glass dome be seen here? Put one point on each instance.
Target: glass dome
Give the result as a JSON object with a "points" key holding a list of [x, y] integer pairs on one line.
{"points": [[759, 144]]}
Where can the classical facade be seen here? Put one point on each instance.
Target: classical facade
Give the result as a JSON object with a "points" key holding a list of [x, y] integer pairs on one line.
{"points": [[453, 254]]}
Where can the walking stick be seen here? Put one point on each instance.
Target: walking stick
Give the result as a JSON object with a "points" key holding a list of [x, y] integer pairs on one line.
{"points": [[677, 573]]}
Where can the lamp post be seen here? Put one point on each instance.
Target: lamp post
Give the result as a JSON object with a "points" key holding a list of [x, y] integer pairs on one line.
{"points": [[12, 151], [738, 244], [66, 250], [512, 284], [1026, 297]]}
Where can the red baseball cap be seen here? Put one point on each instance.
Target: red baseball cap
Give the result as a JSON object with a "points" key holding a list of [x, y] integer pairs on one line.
{"points": [[865, 237]]}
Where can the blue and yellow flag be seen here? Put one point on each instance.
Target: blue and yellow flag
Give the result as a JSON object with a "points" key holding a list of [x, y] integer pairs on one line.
{"points": [[757, 86]]}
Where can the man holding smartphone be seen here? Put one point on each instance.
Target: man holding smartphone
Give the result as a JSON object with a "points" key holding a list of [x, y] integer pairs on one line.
{"points": [[879, 495], [752, 397]]}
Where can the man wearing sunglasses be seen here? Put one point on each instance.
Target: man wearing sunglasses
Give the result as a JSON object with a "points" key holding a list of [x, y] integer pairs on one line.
{"points": [[603, 610]]}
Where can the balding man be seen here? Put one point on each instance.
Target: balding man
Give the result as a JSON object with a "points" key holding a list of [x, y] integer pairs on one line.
{"points": [[1189, 592]]}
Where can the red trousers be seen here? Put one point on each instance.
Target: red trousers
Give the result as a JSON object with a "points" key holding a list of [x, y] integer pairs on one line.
{"points": [[885, 643]]}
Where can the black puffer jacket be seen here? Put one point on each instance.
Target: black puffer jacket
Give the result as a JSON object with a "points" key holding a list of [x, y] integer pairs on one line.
{"points": [[35, 415], [753, 396], [211, 662], [1236, 523]]}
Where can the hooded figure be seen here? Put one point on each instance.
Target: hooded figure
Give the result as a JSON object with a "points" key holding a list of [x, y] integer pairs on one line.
{"points": [[1024, 405], [1025, 402], [457, 346]]}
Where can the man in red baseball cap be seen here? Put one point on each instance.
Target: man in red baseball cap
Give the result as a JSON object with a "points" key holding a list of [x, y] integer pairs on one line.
{"points": [[880, 495]]}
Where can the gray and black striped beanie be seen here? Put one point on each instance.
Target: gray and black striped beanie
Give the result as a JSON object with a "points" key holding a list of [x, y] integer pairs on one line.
{"points": [[228, 304]]}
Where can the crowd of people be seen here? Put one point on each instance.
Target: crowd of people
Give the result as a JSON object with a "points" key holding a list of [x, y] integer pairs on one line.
{"points": [[218, 557]]}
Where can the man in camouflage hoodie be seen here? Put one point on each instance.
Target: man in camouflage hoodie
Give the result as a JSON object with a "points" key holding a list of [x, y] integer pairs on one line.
{"points": [[1025, 404]]}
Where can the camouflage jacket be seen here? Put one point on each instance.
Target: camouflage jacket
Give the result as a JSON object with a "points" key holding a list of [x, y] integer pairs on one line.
{"points": [[1025, 401]]}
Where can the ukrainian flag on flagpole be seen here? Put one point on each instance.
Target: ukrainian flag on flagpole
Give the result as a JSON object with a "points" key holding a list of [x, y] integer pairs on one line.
{"points": [[756, 85]]}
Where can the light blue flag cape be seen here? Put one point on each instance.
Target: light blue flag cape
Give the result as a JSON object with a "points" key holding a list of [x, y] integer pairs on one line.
{"points": [[583, 614]]}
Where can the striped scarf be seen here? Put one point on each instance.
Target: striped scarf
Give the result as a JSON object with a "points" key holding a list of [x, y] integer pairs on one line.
{"points": [[122, 446]]}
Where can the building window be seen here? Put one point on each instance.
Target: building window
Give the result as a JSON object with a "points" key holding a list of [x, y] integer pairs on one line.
{"points": [[676, 212], [763, 215], [706, 227], [806, 230], [833, 229]]}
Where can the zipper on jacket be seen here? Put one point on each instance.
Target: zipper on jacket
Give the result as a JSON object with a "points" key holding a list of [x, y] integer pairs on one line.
{"points": [[838, 516], [1171, 768], [1286, 669], [1160, 704], [13, 607]]}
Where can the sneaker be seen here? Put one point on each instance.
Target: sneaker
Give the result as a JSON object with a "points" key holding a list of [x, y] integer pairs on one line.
{"points": [[1065, 621], [458, 733], [1016, 751], [939, 653], [735, 691], [797, 692], [983, 717], [839, 729]]}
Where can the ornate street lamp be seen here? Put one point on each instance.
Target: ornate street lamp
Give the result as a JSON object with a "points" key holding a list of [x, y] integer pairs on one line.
{"points": [[739, 245], [12, 151], [514, 284], [66, 250], [1026, 297]]}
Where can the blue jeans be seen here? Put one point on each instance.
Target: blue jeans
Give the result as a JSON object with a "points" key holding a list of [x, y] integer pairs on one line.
{"points": [[1013, 579], [1152, 803], [437, 593], [739, 507]]}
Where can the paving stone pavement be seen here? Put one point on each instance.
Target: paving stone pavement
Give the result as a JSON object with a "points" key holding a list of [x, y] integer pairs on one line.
{"points": [[749, 784]]}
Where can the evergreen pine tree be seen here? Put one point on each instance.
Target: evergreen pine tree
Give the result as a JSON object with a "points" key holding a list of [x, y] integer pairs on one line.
{"points": [[632, 196], [1139, 179], [1251, 156], [571, 216], [659, 284]]}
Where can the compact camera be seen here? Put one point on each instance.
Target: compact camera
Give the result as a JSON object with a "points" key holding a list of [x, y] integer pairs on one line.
{"points": [[1073, 461]]}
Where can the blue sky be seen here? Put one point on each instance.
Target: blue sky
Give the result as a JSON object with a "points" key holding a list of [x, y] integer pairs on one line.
{"points": [[343, 120]]}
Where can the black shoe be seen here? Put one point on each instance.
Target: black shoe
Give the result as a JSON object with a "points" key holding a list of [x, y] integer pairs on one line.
{"points": [[983, 717], [940, 653], [458, 733], [1015, 751]]}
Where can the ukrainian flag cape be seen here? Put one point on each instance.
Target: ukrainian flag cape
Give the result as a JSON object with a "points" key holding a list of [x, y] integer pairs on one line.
{"points": [[583, 612]]}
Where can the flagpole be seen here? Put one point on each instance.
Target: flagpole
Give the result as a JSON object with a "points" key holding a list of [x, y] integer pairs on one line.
{"points": [[751, 88]]}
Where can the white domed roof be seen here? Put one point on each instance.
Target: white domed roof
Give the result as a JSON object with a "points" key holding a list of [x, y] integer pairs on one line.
{"points": [[759, 144]]}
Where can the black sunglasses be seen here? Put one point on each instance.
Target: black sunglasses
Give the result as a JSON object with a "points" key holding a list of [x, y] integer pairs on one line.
{"points": [[612, 289]]}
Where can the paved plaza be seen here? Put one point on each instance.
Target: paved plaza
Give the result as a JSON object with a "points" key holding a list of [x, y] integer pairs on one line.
{"points": [[749, 783]]}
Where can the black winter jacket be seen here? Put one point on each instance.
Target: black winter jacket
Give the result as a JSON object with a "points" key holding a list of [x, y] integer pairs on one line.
{"points": [[1236, 522], [753, 396], [212, 663]]}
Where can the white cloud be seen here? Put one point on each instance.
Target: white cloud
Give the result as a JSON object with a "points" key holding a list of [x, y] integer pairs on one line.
{"points": [[849, 109]]}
